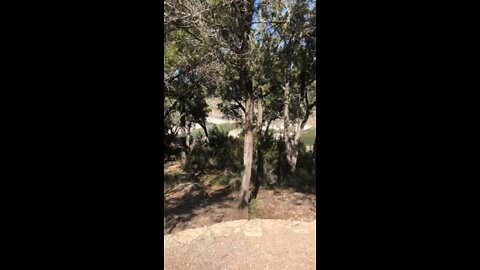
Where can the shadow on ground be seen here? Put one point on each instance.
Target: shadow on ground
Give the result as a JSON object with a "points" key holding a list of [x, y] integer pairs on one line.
{"points": [[191, 205], [194, 199]]}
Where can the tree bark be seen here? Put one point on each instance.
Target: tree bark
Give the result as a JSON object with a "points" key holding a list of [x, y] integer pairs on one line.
{"points": [[291, 144], [261, 137], [259, 175], [314, 153], [296, 142], [183, 140], [204, 127], [244, 15], [286, 125], [247, 152], [294, 148]]}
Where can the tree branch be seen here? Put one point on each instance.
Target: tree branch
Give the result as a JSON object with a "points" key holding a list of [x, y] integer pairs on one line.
{"points": [[240, 105], [171, 108], [310, 107]]}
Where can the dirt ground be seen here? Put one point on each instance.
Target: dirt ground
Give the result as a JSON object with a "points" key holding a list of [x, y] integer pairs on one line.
{"points": [[253, 244], [203, 228], [191, 205]]}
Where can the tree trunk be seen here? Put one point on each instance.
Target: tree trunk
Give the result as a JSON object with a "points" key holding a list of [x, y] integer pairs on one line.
{"points": [[296, 142], [314, 153], [268, 126], [247, 152], [188, 139], [259, 178], [183, 140], [204, 127], [261, 136], [291, 145], [259, 175], [294, 148], [300, 125], [245, 14], [286, 125]]}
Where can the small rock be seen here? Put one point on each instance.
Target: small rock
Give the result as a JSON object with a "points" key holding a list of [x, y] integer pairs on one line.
{"points": [[298, 202], [298, 195], [217, 218]]}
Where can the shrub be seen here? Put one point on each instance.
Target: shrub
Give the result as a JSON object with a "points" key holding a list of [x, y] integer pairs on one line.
{"points": [[304, 175], [253, 209], [220, 153], [271, 154]]}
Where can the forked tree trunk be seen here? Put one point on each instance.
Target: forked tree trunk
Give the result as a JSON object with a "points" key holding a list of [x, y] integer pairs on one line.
{"points": [[295, 143], [291, 144]]}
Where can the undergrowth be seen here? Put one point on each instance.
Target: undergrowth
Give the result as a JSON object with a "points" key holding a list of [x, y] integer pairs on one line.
{"points": [[253, 209]]}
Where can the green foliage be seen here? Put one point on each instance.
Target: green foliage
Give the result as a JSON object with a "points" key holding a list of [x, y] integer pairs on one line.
{"points": [[227, 127], [304, 176], [308, 136], [271, 154], [253, 209], [205, 56], [220, 153], [219, 178], [171, 149], [171, 180]]}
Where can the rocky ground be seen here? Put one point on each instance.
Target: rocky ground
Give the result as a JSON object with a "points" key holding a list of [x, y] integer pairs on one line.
{"points": [[242, 244]]}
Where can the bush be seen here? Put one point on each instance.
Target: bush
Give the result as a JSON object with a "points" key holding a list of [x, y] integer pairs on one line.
{"points": [[253, 209], [271, 154], [273, 150], [220, 153], [223, 153], [304, 175], [171, 147]]}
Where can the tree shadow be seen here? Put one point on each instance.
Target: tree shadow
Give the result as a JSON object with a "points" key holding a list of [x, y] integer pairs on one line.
{"points": [[185, 208]]}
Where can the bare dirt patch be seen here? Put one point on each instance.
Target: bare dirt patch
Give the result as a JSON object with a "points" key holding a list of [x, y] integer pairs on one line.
{"points": [[172, 168], [192, 205]]}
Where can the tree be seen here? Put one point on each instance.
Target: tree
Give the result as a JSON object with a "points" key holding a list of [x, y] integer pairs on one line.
{"points": [[262, 56], [185, 80], [225, 28], [292, 27]]}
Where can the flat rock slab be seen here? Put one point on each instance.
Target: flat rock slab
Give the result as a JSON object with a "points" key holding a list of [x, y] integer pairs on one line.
{"points": [[241, 244]]}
